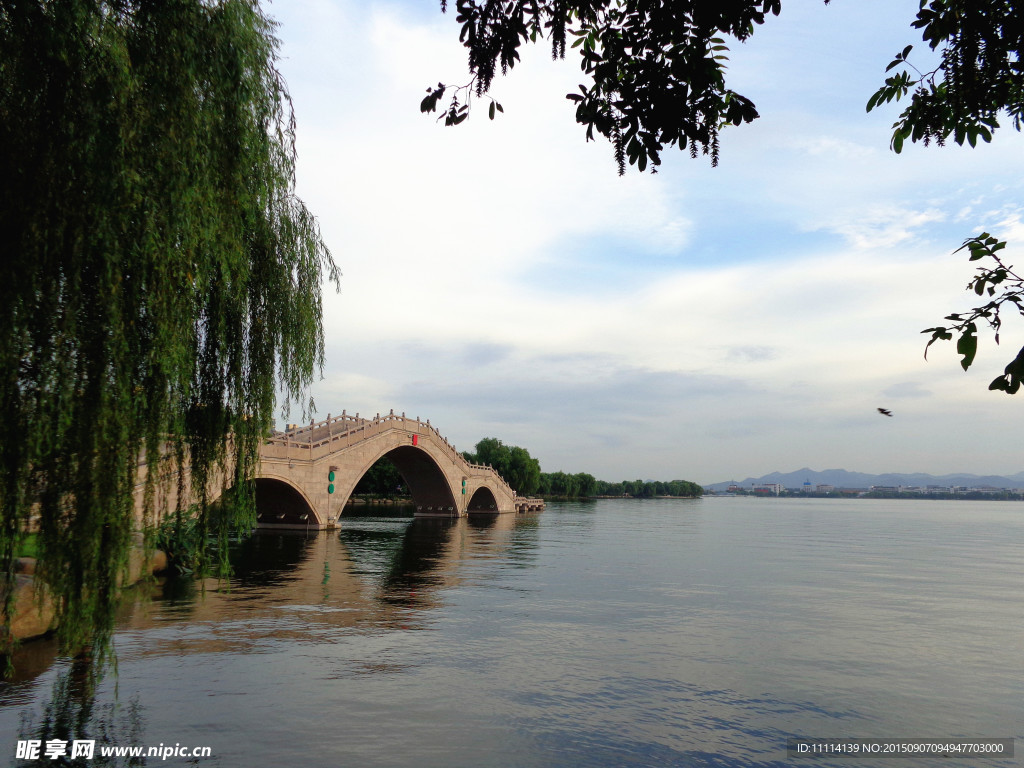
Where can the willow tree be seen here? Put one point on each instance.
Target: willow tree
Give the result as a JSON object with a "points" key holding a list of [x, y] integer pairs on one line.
{"points": [[159, 280]]}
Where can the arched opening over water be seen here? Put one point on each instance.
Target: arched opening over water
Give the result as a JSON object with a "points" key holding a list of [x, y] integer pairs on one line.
{"points": [[382, 482], [281, 503], [483, 501], [425, 482]]}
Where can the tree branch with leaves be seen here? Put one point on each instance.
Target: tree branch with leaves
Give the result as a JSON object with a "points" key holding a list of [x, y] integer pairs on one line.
{"points": [[980, 75], [1003, 286], [656, 67]]}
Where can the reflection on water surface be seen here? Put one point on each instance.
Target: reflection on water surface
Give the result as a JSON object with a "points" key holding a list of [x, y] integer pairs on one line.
{"points": [[661, 632]]}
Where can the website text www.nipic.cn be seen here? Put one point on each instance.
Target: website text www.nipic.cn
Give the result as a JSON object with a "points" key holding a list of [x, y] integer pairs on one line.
{"points": [[52, 749]]}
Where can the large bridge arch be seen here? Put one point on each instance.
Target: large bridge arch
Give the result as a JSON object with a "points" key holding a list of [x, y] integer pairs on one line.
{"points": [[429, 485]]}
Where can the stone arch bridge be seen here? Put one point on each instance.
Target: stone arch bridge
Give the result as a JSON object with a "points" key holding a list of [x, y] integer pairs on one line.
{"points": [[306, 474]]}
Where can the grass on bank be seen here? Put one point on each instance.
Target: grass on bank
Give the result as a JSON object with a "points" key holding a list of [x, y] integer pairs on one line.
{"points": [[27, 547]]}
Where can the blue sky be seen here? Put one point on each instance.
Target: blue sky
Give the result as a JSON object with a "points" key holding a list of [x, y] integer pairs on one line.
{"points": [[705, 323]]}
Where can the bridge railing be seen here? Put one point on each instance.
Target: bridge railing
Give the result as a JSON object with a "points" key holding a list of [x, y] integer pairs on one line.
{"points": [[334, 433]]}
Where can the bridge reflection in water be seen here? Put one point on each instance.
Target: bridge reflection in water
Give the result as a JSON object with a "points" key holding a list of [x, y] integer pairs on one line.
{"points": [[378, 572], [289, 592]]}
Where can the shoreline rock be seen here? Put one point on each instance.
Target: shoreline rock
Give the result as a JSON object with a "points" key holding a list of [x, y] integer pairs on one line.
{"points": [[34, 616]]}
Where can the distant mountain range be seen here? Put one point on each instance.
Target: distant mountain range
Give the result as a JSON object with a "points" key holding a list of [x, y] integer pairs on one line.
{"points": [[840, 478]]}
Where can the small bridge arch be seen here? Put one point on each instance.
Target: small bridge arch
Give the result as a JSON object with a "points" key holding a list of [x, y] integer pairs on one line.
{"points": [[280, 502], [482, 500]]}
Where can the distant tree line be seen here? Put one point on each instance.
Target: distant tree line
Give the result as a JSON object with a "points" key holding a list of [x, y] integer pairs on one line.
{"points": [[522, 472], [1001, 495], [580, 485], [648, 489]]}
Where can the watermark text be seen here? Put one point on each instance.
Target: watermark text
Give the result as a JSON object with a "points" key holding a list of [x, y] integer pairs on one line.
{"points": [[52, 749]]}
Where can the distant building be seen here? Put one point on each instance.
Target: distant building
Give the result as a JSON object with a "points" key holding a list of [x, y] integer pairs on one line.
{"points": [[986, 489], [824, 488], [768, 488]]}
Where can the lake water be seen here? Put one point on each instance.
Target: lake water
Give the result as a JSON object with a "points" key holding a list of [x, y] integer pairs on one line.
{"points": [[609, 633]]}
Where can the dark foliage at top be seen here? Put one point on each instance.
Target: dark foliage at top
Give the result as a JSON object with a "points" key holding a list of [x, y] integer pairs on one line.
{"points": [[657, 67]]}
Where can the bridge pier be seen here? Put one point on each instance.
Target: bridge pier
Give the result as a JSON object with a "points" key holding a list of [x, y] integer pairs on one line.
{"points": [[440, 511]]}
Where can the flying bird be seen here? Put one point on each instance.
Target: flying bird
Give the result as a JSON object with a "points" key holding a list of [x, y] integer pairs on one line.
{"points": [[885, 412]]}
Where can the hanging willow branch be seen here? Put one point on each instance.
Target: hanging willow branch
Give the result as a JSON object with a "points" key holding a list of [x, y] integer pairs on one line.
{"points": [[158, 277]]}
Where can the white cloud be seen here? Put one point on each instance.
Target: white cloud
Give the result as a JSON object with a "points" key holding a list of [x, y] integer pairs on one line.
{"points": [[500, 279], [882, 227]]}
